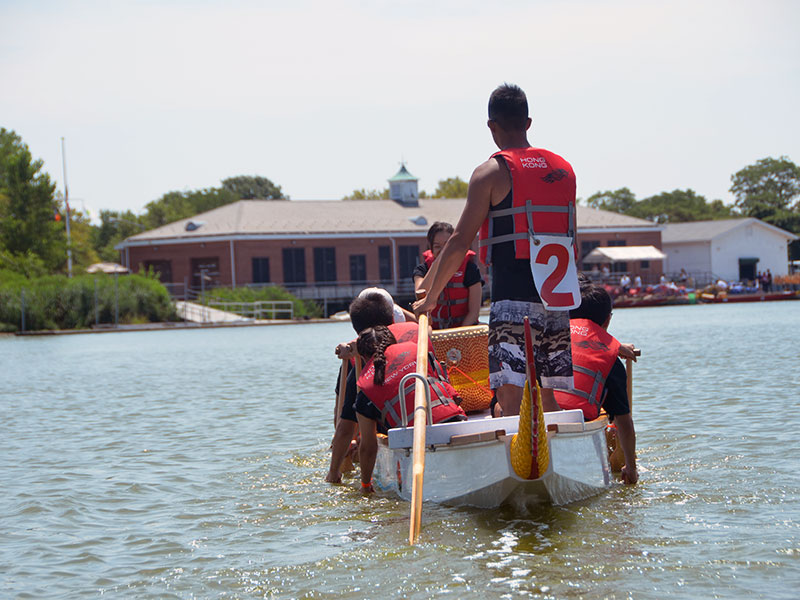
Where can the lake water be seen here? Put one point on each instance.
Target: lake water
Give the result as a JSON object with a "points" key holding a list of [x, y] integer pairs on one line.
{"points": [[190, 464]]}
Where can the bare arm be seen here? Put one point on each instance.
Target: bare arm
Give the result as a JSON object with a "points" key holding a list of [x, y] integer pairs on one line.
{"points": [[479, 199]]}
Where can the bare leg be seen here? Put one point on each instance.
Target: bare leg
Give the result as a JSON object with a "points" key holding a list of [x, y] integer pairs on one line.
{"points": [[368, 450], [549, 403], [341, 443], [509, 397]]}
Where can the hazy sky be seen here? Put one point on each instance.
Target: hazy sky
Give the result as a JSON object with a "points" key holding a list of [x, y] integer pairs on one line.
{"points": [[326, 97]]}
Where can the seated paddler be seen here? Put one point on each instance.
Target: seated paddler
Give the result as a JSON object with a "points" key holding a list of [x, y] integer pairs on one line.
{"points": [[371, 307], [600, 379], [387, 361], [460, 302]]}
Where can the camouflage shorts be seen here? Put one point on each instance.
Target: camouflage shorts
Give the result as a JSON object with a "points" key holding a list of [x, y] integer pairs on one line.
{"points": [[551, 344]]}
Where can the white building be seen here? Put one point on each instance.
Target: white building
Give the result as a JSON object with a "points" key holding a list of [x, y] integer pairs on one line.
{"points": [[733, 249]]}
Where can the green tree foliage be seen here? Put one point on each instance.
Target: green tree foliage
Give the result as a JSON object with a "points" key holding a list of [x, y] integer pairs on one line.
{"points": [[365, 194], [253, 187], [769, 190], [174, 206], [114, 227], [452, 187], [620, 200], [678, 206], [28, 205], [302, 308]]}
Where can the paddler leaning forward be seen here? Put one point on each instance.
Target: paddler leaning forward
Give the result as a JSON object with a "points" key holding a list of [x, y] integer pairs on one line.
{"points": [[523, 202], [378, 402]]}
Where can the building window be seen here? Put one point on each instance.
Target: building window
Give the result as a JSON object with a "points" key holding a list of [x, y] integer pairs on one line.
{"points": [[294, 265], [162, 268], [358, 268], [588, 246], [619, 267], [325, 265], [205, 272], [645, 264], [260, 270], [612, 243], [385, 263], [409, 258]]}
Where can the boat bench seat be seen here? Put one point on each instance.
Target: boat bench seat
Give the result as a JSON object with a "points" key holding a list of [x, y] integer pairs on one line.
{"points": [[403, 437]]}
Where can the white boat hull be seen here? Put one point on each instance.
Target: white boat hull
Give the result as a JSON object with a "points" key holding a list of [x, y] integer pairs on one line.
{"points": [[480, 473]]}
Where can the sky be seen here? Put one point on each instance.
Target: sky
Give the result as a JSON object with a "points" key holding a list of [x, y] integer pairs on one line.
{"points": [[324, 97]]}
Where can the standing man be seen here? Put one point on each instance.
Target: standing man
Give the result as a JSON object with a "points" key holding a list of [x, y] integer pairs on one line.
{"points": [[523, 202]]}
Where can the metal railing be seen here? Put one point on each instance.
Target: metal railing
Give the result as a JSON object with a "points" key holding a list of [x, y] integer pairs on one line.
{"points": [[259, 310]]}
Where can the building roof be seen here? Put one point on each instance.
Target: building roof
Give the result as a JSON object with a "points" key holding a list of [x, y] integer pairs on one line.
{"points": [[614, 254], [403, 175], [705, 231], [333, 217]]}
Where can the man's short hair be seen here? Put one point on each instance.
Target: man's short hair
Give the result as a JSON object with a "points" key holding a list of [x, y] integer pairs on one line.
{"points": [[508, 107], [436, 229], [595, 304], [370, 310]]}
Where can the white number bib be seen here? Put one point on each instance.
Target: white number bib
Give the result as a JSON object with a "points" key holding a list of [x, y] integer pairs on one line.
{"points": [[554, 272]]}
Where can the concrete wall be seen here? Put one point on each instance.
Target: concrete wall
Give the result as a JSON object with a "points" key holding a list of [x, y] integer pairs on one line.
{"points": [[694, 257], [749, 241]]}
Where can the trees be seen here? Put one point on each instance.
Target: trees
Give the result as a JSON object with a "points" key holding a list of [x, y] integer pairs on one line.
{"points": [[27, 205], [452, 187], [253, 187], [768, 190], [678, 206], [619, 200], [365, 194]]}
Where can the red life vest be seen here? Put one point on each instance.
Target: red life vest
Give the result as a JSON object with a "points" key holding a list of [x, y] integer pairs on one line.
{"points": [[543, 200], [594, 352], [405, 332], [401, 359], [453, 303]]}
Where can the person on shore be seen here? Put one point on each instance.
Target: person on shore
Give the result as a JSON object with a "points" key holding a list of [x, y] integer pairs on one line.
{"points": [[460, 302], [600, 377], [515, 199], [378, 403], [768, 281], [625, 282], [637, 282], [367, 310]]}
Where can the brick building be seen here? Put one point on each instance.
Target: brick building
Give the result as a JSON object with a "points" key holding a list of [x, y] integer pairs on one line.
{"points": [[330, 250]]}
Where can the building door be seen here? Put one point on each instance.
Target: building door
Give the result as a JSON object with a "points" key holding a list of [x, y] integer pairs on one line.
{"points": [[385, 264], [325, 265], [260, 269], [747, 269], [409, 259], [294, 265], [358, 268]]}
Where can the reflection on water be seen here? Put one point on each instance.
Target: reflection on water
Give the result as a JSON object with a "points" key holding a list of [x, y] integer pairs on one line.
{"points": [[190, 464]]}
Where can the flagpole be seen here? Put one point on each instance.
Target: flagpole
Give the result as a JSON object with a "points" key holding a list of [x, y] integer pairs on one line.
{"points": [[66, 202]]}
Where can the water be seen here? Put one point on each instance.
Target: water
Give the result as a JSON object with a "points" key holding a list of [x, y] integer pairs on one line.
{"points": [[190, 464]]}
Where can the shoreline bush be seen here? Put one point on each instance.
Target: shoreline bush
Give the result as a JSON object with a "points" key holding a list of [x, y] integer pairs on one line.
{"points": [[58, 302], [303, 309]]}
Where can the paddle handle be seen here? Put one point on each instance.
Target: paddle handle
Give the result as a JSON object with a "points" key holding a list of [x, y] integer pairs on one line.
{"points": [[342, 390], [420, 412], [629, 371]]}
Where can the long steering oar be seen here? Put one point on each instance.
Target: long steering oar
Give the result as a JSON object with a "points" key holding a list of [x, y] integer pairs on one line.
{"points": [[342, 389], [420, 413]]}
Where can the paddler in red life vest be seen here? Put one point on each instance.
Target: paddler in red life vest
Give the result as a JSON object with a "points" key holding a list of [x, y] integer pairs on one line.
{"points": [[378, 404], [460, 302], [600, 377], [522, 200], [375, 307]]}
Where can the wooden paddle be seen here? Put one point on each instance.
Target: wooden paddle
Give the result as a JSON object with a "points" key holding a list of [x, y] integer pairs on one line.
{"points": [[342, 388], [420, 422]]}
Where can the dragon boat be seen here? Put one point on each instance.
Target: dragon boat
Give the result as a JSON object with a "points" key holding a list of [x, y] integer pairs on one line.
{"points": [[486, 462]]}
